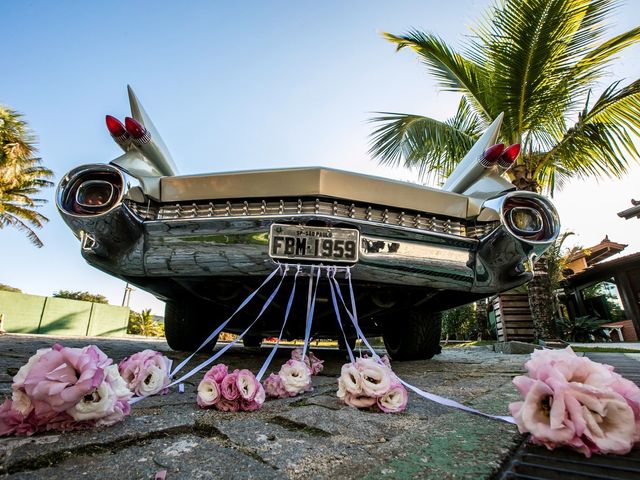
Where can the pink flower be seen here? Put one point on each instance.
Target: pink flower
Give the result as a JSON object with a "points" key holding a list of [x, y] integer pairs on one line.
{"points": [[256, 403], [146, 373], [394, 400], [273, 386], [260, 395], [121, 409], [225, 405], [62, 376], [217, 373], [63, 422], [565, 364], [359, 401], [229, 387], [310, 360], [315, 364], [602, 418], [296, 377], [544, 415], [98, 403], [587, 418], [13, 422], [247, 385], [20, 377], [385, 361], [370, 382], [208, 392]]}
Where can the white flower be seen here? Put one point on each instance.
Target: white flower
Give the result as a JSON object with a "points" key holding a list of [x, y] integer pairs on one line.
{"points": [[154, 381], [208, 392], [342, 391], [116, 382], [296, 377], [97, 404], [376, 378], [351, 379]]}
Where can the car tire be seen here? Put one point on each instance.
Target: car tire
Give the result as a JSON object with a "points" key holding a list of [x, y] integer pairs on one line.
{"points": [[186, 325], [251, 341], [416, 338]]}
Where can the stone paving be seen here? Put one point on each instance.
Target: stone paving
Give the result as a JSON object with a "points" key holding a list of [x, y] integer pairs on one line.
{"points": [[312, 436]]}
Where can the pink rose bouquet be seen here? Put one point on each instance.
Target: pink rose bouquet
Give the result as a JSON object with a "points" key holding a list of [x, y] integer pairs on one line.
{"points": [[368, 383], [294, 376], [575, 402], [64, 389], [230, 392], [146, 373]]}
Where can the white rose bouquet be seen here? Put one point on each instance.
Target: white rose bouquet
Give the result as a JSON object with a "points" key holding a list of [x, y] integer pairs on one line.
{"points": [[367, 383]]}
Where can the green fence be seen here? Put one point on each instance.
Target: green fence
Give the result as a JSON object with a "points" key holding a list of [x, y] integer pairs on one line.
{"points": [[60, 316]]}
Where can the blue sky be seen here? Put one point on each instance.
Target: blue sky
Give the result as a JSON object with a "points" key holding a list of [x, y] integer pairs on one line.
{"points": [[236, 85]]}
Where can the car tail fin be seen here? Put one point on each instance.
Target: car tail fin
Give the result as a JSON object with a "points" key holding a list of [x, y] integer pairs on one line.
{"points": [[480, 164], [146, 156]]}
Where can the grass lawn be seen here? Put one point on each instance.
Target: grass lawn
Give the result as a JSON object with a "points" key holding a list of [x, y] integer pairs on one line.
{"points": [[605, 349], [475, 343]]}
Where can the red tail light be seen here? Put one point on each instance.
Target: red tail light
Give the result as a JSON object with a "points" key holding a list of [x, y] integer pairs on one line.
{"points": [[509, 156], [136, 130], [115, 127], [491, 154]]}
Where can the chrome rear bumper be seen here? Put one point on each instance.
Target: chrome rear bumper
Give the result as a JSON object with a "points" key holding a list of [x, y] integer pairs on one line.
{"points": [[238, 246]]}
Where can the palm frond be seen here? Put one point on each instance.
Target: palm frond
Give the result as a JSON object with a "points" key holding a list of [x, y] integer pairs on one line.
{"points": [[22, 176], [430, 146], [530, 46], [601, 143], [453, 71], [9, 219], [595, 63]]}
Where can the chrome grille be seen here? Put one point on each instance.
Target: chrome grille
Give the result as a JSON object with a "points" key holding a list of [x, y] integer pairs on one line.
{"points": [[176, 211]]}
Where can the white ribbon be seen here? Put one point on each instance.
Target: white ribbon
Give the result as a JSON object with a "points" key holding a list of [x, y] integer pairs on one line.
{"points": [[311, 306], [331, 272], [266, 363]]}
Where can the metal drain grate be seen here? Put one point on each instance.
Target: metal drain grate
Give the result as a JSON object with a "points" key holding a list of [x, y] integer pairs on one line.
{"points": [[531, 462]]}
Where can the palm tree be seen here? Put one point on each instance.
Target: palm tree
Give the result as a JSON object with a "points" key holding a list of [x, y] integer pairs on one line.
{"points": [[21, 176], [538, 61]]}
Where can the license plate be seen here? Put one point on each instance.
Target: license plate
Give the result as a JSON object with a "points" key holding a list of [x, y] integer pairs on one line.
{"points": [[292, 242]]}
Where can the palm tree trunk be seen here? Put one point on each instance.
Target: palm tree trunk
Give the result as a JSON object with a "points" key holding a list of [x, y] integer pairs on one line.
{"points": [[541, 302]]}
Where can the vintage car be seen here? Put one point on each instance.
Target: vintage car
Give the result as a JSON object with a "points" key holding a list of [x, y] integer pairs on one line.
{"points": [[202, 243]]}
